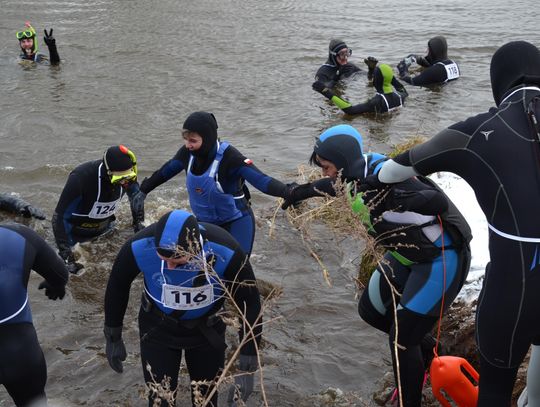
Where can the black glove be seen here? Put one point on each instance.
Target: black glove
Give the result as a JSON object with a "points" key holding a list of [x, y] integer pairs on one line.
{"points": [[243, 383], [371, 63], [72, 266], [49, 39], [31, 211], [297, 193], [115, 348], [403, 69], [318, 86], [137, 201], [138, 226], [51, 291]]}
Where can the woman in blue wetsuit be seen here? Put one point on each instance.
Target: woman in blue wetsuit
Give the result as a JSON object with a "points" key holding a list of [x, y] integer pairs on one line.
{"points": [[438, 69], [498, 154], [23, 371], [215, 176], [415, 221], [390, 94]]}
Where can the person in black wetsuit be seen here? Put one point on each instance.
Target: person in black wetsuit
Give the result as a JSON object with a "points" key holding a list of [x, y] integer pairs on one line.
{"points": [[498, 154], [438, 68], [186, 266], [215, 176], [29, 46], [385, 100], [338, 67], [23, 371], [90, 198], [19, 206], [414, 220]]}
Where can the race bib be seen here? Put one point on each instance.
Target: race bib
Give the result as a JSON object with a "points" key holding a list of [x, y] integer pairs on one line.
{"points": [[452, 71], [187, 298], [102, 210]]}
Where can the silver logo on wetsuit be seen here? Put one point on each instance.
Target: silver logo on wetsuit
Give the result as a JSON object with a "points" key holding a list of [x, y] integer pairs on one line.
{"points": [[487, 133]]}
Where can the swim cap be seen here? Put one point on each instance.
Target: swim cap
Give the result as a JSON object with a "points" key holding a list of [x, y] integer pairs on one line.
{"points": [[342, 145], [177, 233], [206, 125], [117, 158], [382, 78], [28, 32], [515, 63]]}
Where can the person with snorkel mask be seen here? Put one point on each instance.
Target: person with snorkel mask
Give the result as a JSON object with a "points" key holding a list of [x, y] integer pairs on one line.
{"points": [[427, 243], [189, 269], [86, 208], [29, 45]]}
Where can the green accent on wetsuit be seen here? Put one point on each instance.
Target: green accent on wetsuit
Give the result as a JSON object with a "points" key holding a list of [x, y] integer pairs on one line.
{"points": [[342, 104], [387, 75], [361, 209]]}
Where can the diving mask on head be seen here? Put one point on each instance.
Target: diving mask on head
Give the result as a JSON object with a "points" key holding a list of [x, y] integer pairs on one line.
{"points": [[30, 33], [117, 165]]}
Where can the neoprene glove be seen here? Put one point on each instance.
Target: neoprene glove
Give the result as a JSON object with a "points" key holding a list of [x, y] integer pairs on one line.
{"points": [[403, 69], [371, 63], [31, 211], [298, 193], [410, 59], [115, 348], [52, 292], [49, 39], [318, 86], [137, 201], [244, 381], [72, 266]]}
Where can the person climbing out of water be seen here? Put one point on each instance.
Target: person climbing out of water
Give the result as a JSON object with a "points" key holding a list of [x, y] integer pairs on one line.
{"points": [[86, 208], [337, 67], [427, 241], [390, 94], [186, 268], [438, 69], [29, 45], [19, 206], [497, 154], [23, 370], [215, 176]]}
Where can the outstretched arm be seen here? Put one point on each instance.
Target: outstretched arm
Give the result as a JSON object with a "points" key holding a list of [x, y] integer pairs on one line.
{"points": [[51, 44]]}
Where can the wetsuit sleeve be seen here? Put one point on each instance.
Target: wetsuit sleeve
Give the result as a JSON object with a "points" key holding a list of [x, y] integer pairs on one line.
{"points": [[422, 61], [238, 166], [399, 87], [69, 198], [53, 54], [435, 74], [247, 298], [415, 196], [123, 273], [436, 154], [168, 170], [372, 105], [12, 204], [136, 213], [46, 262]]}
